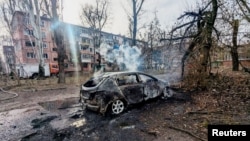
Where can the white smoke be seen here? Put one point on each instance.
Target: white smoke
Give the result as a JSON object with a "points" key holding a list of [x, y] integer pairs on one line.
{"points": [[126, 57]]}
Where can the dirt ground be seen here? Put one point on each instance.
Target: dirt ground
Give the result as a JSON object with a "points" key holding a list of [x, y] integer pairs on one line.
{"points": [[52, 113]]}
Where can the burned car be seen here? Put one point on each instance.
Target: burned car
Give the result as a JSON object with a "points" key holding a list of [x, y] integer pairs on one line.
{"points": [[113, 92]]}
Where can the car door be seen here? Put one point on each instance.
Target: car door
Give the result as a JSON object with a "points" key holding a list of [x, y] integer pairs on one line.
{"points": [[151, 89], [130, 87]]}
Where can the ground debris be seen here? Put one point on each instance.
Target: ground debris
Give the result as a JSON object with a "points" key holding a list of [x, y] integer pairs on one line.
{"points": [[38, 123], [187, 132]]}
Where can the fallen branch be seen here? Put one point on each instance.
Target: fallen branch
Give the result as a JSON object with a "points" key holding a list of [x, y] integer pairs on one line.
{"points": [[187, 132], [204, 112]]}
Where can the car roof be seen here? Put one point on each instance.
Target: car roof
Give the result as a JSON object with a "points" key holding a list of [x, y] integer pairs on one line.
{"points": [[107, 74]]}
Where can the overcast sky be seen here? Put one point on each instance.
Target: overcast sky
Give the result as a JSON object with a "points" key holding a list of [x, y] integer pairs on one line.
{"points": [[167, 11]]}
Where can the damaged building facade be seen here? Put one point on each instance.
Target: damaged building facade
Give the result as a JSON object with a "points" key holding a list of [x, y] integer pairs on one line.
{"points": [[82, 44]]}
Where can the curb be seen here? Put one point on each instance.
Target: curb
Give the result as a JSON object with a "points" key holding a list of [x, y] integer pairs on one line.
{"points": [[45, 89]]}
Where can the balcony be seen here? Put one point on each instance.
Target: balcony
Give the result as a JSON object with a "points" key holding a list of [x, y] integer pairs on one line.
{"points": [[86, 58]]}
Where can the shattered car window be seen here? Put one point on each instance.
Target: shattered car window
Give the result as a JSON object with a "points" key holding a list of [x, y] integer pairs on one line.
{"points": [[93, 82], [145, 78], [127, 79], [108, 85]]}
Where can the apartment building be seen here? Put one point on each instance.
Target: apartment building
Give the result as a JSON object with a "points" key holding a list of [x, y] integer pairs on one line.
{"points": [[25, 43], [82, 44]]}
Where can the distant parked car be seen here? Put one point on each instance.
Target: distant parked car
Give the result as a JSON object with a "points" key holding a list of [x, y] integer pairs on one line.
{"points": [[113, 92]]}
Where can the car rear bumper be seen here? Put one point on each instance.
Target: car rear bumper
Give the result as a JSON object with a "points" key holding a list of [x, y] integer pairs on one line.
{"points": [[92, 107], [88, 104]]}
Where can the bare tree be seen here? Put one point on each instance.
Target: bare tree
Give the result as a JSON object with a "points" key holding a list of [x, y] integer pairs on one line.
{"points": [[231, 20], [152, 36], [199, 32], [244, 6], [51, 7], [96, 17], [133, 18], [8, 8]]}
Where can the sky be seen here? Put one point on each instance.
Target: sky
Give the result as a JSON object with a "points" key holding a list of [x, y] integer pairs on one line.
{"points": [[167, 12]]}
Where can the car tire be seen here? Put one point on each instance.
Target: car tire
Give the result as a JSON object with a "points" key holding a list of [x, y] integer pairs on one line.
{"points": [[117, 107], [167, 93]]}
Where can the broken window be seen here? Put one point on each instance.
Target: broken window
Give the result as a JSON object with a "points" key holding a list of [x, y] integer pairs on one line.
{"points": [[42, 23], [93, 82], [45, 56], [31, 55], [44, 45], [145, 78], [85, 65], [29, 44], [66, 65], [54, 49], [84, 47], [28, 32], [43, 35], [127, 79]]}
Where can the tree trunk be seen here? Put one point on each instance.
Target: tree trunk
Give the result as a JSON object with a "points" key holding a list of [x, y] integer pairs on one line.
{"points": [[186, 55], [58, 38], [209, 30], [134, 24], [61, 54], [235, 59], [234, 52]]}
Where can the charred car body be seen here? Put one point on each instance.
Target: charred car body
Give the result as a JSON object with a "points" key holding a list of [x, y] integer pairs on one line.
{"points": [[114, 91]]}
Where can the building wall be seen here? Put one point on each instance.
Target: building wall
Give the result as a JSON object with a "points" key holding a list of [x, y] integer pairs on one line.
{"points": [[79, 41], [24, 34]]}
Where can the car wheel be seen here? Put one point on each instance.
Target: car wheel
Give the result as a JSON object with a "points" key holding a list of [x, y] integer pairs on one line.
{"points": [[34, 76], [167, 93], [117, 107]]}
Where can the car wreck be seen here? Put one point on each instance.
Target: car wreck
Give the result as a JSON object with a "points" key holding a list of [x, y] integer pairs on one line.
{"points": [[113, 92]]}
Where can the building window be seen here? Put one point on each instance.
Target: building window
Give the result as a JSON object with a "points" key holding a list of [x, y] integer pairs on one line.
{"points": [[83, 31], [86, 56], [90, 49], [42, 23], [66, 65], [44, 45], [28, 32], [85, 40], [43, 35], [54, 49], [45, 56], [55, 59], [31, 55], [27, 20], [85, 65], [84, 47], [30, 44]]}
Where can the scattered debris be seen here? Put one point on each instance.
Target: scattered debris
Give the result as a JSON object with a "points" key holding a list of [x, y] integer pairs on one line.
{"points": [[38, 123], [79, 123], [128, 127], [30, 135], [187, 132]]}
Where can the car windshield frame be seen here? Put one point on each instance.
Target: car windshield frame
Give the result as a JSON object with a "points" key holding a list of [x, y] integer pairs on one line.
{"points": [[93, 82]]}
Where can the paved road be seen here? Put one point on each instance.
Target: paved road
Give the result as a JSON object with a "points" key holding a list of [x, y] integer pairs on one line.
{"points": [[17, 114]]}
